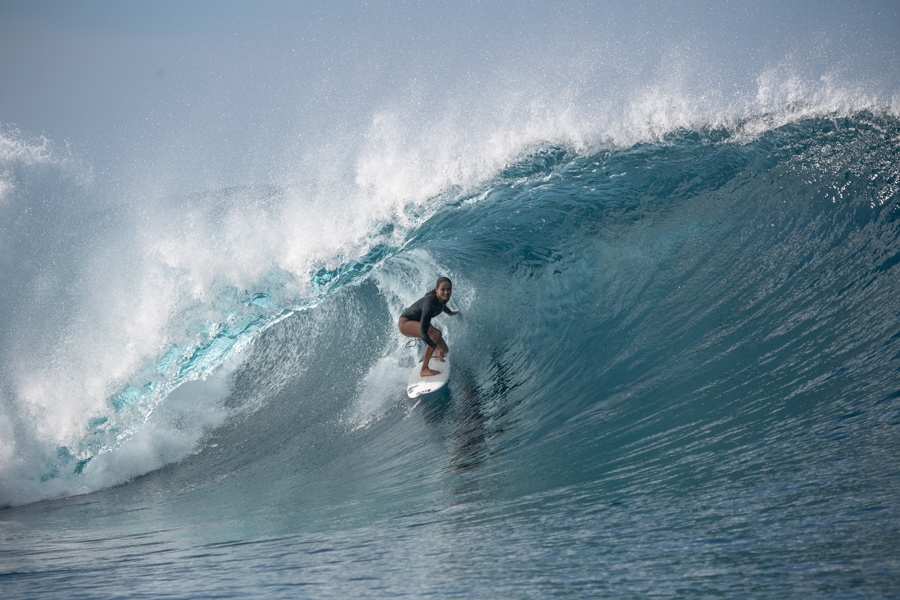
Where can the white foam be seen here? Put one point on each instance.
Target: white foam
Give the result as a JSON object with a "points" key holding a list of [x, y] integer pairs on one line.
{"points": [[14, 147], [169, 434], [16, 150], [172, 432]]}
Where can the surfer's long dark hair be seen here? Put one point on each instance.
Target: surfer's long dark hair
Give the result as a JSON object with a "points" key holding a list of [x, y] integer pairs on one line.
{"points": [[438, 284]]}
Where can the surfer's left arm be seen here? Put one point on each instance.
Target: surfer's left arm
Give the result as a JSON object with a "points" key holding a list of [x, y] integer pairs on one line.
{"points": [[452, 313]]}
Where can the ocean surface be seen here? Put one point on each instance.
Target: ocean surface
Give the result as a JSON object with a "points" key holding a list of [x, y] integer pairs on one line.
{"points": [[676, 373]]}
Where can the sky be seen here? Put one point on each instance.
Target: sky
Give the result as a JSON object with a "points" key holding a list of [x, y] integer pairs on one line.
{"points": [[231, 88]]}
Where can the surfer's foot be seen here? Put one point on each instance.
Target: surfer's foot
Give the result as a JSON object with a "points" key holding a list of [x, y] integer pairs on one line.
{"points": [[429, 372]]}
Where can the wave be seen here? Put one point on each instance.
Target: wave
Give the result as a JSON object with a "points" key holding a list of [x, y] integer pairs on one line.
{"points": [[734, 268]]}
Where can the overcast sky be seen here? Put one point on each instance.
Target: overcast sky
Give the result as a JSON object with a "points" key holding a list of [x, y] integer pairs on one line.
{"points": [[110, 76]]}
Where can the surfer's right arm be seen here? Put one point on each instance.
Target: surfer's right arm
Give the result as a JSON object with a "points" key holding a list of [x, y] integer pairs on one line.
{"points": [[424, 324], [425, 320]]}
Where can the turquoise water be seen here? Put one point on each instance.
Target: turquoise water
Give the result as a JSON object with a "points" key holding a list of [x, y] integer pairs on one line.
{"points": [[675, 374]]}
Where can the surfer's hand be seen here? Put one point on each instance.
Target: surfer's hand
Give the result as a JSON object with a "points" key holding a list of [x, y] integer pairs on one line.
{"points": [[453, 313]]}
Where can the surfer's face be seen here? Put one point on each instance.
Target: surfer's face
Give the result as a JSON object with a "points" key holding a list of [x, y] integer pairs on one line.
{"points": [[443, 291]]}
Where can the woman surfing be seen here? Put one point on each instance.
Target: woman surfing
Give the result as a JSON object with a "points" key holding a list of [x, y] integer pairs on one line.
{"points": [[415, 322]]}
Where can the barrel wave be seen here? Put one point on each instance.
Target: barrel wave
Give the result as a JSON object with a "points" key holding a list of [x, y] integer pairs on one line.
{"points": [[676, 369]]}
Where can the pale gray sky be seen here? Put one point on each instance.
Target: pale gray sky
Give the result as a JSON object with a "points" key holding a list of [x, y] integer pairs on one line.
{"points": [[228, 80]]}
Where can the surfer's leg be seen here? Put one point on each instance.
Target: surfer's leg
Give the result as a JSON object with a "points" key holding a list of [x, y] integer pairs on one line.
{"points": [[438, 338], [427, 371], [408, 327]]}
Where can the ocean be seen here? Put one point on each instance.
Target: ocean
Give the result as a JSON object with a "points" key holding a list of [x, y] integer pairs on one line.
{"points": [[676, 373], [676, 367]]}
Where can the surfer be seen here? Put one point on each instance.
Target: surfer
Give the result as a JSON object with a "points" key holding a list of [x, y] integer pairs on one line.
{"points": [[415, 322]]}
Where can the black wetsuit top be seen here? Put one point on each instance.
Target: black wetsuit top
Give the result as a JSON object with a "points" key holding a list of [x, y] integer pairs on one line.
{"points": [[425, 309]]}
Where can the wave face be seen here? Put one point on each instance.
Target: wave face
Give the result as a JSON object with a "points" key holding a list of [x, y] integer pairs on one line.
{"points": [[676, 363]]}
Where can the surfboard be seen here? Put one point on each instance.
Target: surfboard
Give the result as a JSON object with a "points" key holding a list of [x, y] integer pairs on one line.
{"points": [[419, 385]]}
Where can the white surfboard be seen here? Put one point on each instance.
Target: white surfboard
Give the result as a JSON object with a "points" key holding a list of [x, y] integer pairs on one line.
{"points": [[419, 385]]}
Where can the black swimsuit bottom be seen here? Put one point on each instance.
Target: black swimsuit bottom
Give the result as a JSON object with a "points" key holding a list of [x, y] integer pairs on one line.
{"points": [[426, 308]]}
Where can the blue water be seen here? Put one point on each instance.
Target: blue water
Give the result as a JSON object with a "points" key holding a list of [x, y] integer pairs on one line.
{"points": [[676, 373]]}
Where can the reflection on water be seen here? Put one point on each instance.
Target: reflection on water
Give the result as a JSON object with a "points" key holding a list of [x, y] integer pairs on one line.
{"points": [[472, 417]]}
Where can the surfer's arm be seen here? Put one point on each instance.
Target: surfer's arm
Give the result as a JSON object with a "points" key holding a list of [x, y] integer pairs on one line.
{"points": [[424, 324]]}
